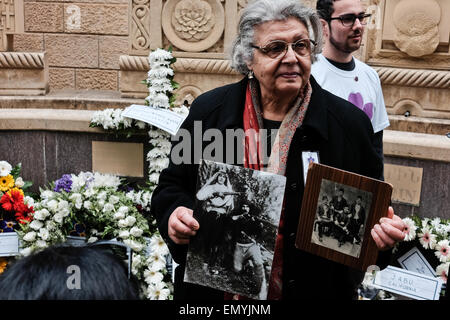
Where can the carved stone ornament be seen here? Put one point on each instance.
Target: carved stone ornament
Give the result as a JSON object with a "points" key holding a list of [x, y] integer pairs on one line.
{"points": [[192, 20], [139, 30], [416, 23], [195, 25]]}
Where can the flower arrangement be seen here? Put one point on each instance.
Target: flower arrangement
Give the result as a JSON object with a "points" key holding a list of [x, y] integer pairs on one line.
{"points": [[161, 88], [15, 207], [432, 234], [94, 206]]}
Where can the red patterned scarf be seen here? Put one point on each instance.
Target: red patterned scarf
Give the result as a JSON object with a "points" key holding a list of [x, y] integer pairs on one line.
{"points": [[253, 158]]}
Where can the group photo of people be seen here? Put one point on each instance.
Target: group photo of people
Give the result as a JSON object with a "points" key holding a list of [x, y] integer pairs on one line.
{"points": [[340, 219]]}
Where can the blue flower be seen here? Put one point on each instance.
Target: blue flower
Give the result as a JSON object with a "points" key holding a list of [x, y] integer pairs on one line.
{"points": [[65, 183], [6, 226], [79, 230]]}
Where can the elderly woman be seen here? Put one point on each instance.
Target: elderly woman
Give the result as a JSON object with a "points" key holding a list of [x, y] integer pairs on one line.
{"points": [[276, 44]]}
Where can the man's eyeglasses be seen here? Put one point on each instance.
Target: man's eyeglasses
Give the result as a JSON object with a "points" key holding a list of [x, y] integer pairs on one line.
{"points": [[277, 48], [348, 20]]}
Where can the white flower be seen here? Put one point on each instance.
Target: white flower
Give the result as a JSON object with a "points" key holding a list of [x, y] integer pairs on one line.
{"points": [[113, 199], [427, 239], [410, 229], [47, 195], [41, 214], [92, 239], [29, 201], [134, 245], [19, 182], [58, 218], [120, 216], [153, 277], [136, 232], [124, 234], [108, 208], [5, 168], [52, 205], [141, 124], [443, 251], [77, 199], [442, 271], [130, 220], [26, 251], [41, 244], [106, 180], [87, 205], [157, 261], [50, 225], [436, 222], [122, 223], [158, 246], [158, 291], [30, 236], [102, 196], [36, 224], [44, 234]]}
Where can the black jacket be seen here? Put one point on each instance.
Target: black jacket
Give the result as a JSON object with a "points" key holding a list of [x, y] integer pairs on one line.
{"points": [[341, 133]]}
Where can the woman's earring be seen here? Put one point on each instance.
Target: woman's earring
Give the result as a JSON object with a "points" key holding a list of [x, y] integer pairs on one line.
{"points": [[250, 74]]}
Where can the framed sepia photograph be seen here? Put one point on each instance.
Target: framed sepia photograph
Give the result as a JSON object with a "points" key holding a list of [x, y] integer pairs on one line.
{"points": [[338, 211], [238, 210]]}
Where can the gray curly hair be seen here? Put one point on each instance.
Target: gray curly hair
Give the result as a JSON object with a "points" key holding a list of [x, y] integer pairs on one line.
{"points": [[259, 11]]}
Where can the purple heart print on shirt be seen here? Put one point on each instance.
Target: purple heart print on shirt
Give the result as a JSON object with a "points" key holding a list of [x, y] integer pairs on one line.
{"points": [[357, 100]]}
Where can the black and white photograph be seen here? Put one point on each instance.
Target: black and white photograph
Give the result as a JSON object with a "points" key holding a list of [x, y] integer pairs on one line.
{"points": [[238, 210], [341, 217]]}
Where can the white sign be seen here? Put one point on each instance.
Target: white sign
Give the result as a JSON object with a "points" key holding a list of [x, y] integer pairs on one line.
{"points": [[409, 284], [164, 119], [9, 244], [414, 261]]}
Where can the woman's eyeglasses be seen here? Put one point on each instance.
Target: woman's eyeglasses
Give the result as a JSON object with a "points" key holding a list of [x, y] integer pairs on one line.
{"points": [[348, 20], [276, 48]]}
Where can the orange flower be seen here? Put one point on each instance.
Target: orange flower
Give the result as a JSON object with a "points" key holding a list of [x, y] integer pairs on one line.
{"points": [[3, 264]]}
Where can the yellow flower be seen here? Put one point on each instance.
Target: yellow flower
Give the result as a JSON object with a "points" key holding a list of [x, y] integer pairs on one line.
{"points": [[6, 183]]}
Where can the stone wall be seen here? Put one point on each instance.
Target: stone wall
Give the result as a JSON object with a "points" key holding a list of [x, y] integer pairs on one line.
{"points": [[82, 40]]}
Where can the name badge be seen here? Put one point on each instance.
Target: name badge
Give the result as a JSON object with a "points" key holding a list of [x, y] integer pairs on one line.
{"points": [[414, 261], [9, 244], [164, 119], [409, 284], [307, 158]]}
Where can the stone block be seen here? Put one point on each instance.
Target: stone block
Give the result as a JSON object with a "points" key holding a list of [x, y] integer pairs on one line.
{"points": [[96, 19], [61, 78], [130, 84], [44, 17], [96, 79], [110, 49], [28, 42], [25, 73], [72, 50]]}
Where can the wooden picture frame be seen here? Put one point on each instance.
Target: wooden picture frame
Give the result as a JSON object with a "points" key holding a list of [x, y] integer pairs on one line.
{"points": [[341, 231]]}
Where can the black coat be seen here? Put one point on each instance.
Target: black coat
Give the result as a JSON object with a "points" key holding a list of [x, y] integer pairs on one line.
{"points": [[343, 136]]}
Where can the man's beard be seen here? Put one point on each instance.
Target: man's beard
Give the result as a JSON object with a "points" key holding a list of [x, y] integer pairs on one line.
{"points": [[345, 47]]}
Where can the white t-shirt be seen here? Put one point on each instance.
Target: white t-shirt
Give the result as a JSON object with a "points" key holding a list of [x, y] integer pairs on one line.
{"points": [[361, 86]]}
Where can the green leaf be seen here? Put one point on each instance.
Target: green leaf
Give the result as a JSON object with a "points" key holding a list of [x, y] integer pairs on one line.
{"points": [[15, 172]]}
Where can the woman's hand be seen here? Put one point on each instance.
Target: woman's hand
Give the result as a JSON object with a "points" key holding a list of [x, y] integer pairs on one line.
{"points": [[182, 225], [389, 231]]}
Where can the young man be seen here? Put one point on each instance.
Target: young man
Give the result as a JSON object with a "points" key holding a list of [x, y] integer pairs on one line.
{"points": [[337, 71]]}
